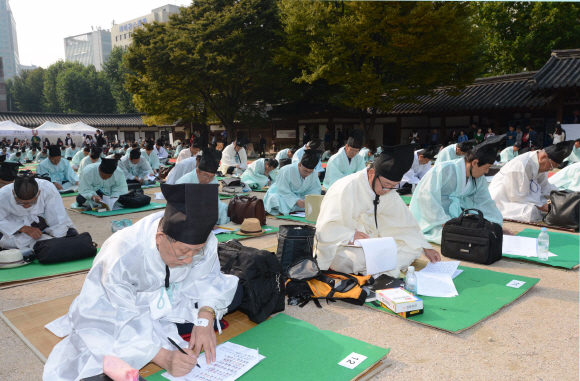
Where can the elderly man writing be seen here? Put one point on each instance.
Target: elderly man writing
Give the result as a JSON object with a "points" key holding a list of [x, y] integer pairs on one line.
{"points": [[28, 207], [454, 151], [521, 188], [234, 157], [60, 172], [260, 173], [362, 206], [347, 160], [293, 183], [150, 281], [135, 168], [101, 179]]}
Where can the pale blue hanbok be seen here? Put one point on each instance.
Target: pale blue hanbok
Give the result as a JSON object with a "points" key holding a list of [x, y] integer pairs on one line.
{"points": [[290, 187], [91, 182], [13, 158], [76, 160], [507, 154], [444, 193], [447, 154], [298, 156], [151, 158], [85, 163], [339, 166], [574, 156], [364, 152], [61, 173], [70, 152], [255, 177], [40, 157], [181, 169], [282, 154], [567, 178], [191, 178], [177, 151], [31, 156], [141, 170]]}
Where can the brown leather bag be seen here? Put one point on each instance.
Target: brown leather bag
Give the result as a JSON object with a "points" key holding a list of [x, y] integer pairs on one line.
{"points": [[242, 207]]}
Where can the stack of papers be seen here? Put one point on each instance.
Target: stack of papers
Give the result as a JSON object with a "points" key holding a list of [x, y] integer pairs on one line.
{"points": [[521, 246], [437, 279], [380, 254], [232, 361], [299, 214], [151, 178], [159, 196]]}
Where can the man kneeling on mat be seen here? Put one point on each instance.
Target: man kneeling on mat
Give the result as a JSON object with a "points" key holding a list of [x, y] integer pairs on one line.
{"points": [[101, 179], [28, 207], [151, 281]]}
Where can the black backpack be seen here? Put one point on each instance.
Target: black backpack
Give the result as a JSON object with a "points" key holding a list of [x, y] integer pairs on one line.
{"points": [[260, 275], [295, 242], [472, 238]]}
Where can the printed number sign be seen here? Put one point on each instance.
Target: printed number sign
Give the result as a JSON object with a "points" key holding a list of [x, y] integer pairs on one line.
{"points": [[352, 360], [515, 284]]}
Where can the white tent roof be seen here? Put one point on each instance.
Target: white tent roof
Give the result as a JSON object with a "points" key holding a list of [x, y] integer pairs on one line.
{"points": [[8, 128], [75, 129]]}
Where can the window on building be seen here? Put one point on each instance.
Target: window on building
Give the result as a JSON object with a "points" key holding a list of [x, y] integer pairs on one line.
{"points": [[116, 38], [149, 135], [125, 36], [129, 136]]}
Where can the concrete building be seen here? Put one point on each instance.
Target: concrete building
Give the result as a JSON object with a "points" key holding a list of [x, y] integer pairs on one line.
{"points": [[91, 48], [122, 34], [26, 67], [8, 41]]}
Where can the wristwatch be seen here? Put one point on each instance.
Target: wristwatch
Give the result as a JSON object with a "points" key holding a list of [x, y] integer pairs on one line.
{"points": [[208, 309]]}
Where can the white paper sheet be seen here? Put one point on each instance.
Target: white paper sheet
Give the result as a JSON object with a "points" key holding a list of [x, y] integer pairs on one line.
{"points": [[457, 272], [219, 231], [436, 279], [69, 187], [232, 361], [380, 254], [298, 214], [522, 246], [159, 196], [150, 178], [444, 268]]}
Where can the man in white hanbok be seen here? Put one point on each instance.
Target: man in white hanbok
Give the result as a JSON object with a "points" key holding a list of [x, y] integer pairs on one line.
{"points": [[151, 156], [293, 183], [567, 178], [192, 151], [182, 168], [521, 188], [454, 151], [135, 168], [60, 172], [101, 179], [162, 154], [27, 208], [147, 283], [346, 161], [260, 173], [421, 165], [454, 186], [363, 205], [234, 157], [508, 153], [79, 156]]}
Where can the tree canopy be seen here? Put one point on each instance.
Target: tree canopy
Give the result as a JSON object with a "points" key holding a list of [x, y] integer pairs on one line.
{"points": [[116, 71]]}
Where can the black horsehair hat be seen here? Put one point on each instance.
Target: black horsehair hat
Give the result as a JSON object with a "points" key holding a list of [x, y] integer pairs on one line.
{"points": [[430, 152], [210, 160], [54, 151], [395, 161], [356, 139], [560, 151], [191, 212], [9, 171], [108, 166], [486, 151], [466, 146], [310, 158]]}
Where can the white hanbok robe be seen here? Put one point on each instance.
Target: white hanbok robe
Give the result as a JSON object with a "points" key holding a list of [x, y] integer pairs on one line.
{"points": [[348, 207], [85, 163], [255, 177], [567, 178], [141, 170], [339, 166], [507, 154], [191, 178], [181, 169], [183, 155], [13, 216], [118, 310], [444, 193], [76, 160], [298, 156], [151, 158], [177, 151], [574, 157], [161, 153], [91, 182], [231, 158], [13, 158], [282, 154], [70, 152], [290, 187], [58, 173], [448, 153], [416, 173], [518, 188]]}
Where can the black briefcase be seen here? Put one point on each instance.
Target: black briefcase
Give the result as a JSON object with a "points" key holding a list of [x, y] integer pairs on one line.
{"points": [[472, 238], [564, 209], [134, 199]]}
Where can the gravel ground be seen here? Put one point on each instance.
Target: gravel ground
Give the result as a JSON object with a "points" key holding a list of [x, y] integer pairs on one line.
{"points": [[535, 338]]}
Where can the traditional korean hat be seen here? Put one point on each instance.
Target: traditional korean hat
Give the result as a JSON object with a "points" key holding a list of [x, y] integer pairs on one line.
{"points": [[486, 151], [197, 143], [54, 151], [250, 226], [284, 162], [9, 171], [25, 187], [96, 153], [294, 149], [149, 146], [517, 144], [466, 146], [310, 158], [135, 154], [210, 160], [191, 212], [430, 152], [108, 166], [242, 141], [314, 144], [395, 161], [560, 151], [356, 139]]}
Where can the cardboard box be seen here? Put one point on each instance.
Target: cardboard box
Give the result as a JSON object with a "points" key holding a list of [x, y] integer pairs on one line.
{"points": [[399, 300], [312, 207]]}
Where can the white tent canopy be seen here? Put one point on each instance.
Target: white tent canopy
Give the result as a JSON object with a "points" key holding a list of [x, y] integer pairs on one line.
{"points": [[74, 129], [9, 129]]}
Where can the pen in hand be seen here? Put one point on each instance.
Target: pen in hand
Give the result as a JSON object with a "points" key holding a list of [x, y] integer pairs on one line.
{"points": [[179, 348]]}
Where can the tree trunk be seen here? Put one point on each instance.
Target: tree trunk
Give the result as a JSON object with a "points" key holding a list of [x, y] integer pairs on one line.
{"points": [[370, 127]]}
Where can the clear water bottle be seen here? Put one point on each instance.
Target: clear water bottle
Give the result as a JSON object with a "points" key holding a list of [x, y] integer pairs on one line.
{"points": [[411, 281], [543, 245]]}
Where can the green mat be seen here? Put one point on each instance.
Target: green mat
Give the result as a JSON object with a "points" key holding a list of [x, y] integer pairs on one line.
{"points": [[481, 294], [226, 237], [226, 197], [157, 184], [151, 206], [295, 218], [38, 270], [565, 245], [260, 190], [407, 199], [296, 350], [63, 195]]}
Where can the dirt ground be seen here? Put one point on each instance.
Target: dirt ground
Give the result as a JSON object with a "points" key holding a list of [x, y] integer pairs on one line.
{"points": [[535, 338]]}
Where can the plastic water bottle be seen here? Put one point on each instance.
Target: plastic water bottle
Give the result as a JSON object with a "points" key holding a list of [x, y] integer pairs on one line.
{"points": [[543, 245], [411, 281]]}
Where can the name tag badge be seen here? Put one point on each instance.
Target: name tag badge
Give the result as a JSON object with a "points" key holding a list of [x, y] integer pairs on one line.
{"points": [[160, 305]]}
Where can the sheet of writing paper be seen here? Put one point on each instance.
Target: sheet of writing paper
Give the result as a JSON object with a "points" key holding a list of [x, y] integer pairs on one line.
{"points": [[441, 286], [299, 214], [380, 254], [443, 268], [522, 246]]}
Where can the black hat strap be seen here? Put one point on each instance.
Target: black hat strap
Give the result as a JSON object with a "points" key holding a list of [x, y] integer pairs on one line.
{"points": [[166, 276], [376, 201]]}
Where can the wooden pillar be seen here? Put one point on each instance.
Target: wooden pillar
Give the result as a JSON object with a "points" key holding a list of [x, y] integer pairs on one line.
{"points": [[559, 109]]}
